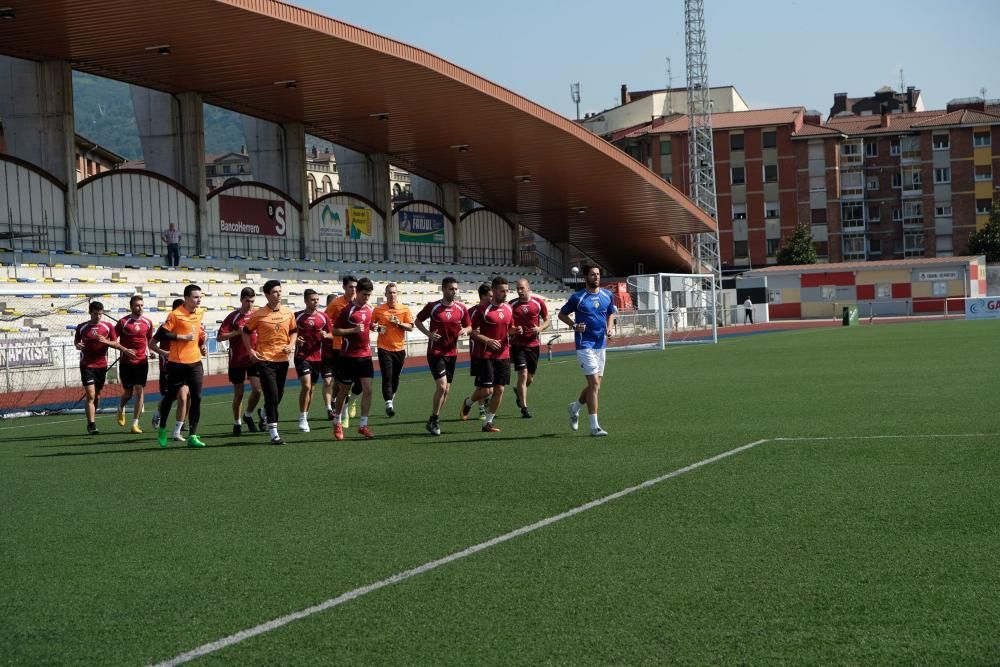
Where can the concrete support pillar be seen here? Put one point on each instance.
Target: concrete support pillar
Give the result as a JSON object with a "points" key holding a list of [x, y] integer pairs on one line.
{"points": [[515, 236], [426, 190], [157, 117], [192, 157], [36, 104], [378, 175], [297, 178], [267, 148], [450, 203]]}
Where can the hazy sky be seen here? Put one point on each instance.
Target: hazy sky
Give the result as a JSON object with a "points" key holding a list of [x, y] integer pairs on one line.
{"points": [[796, 52]]}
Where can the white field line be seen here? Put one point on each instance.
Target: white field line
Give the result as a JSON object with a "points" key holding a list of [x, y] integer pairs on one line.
{"points": [[242, 635], [886, 437]]}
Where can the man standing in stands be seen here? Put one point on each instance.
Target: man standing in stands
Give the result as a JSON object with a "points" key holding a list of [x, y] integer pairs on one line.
{"points": [[354, 366], [172, 237], [395, 320], [93, 338], [491, 328], [593, 310], [531, 317], [314, 328], [276, 335], [449, 319], [183, 329], [136, 333], [333, 309], [242, 366]]}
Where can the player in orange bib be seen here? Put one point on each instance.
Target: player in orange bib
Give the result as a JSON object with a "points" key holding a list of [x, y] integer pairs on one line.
{"points": [[184, 369], [276, 336], [395, 320]]}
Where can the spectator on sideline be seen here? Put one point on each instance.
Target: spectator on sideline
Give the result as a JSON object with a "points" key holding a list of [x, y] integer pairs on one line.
{"points": [[594, 313], [396, 320], [172, 237], [748, 311]]}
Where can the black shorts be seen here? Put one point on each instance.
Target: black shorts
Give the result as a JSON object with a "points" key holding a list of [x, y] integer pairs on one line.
{"points": [[441, 367], [180, 375], [304, 367], [474, 366], [94, 376], [241, 374], [164, 380], [328, 367], [493, 373], [133, 375], [525, 357], [352, 369]]}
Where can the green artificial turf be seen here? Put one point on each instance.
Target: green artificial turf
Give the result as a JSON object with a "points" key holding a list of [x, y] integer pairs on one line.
{"points": [[838, 551]]}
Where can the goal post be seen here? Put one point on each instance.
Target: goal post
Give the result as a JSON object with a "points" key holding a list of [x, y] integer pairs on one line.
{"points": [[39, 364], [670, 309]]}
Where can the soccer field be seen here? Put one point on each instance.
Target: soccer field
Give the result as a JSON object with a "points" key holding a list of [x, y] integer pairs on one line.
{"points": [[852, 519]]}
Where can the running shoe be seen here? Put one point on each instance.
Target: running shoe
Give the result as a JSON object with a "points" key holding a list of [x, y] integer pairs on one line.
{"points": [[367, 432], [121, 418], [194, 441], [574, 417], [488, 427], [338, 432]]}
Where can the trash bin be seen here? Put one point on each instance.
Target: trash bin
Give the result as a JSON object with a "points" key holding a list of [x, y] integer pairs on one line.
{"points": [[850, 316]]}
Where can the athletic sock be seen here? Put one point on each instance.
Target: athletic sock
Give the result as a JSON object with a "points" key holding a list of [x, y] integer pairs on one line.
{"points": [[304, 415], [135, 422], [247, 415], [489, 417], [337, 420], [593, 421], [272, 429], [237, 422], [388, 403], [363, 422], [177, 428]]}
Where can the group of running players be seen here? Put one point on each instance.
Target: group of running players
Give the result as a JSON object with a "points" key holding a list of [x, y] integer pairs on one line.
{"points": [[332, 346]]}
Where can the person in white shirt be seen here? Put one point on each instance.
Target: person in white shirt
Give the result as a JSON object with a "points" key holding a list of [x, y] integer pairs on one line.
{"points": [[748, 311], [172, 238]]}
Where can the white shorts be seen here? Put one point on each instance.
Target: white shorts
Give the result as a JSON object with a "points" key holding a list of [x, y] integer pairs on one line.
{"points": [[591, 361]]}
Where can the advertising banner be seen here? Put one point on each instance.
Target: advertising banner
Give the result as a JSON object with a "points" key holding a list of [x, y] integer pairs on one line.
{"points": [[340, 221], [982, 309], [21, 352], [420, 227], [248, 216]]}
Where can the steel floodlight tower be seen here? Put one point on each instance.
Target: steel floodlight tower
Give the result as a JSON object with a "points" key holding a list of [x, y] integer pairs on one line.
{"points": [[701, 152]]}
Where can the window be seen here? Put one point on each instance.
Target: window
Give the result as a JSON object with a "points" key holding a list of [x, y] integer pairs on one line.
{"points": [[897, 181], [897, 214], [739, 211], [874, 246], [740, 249], [817, 216], [980, 139], [771, 209], [984, 172], [913, 210], [983, 206], [854, 247], [872, 183], [941, 142], [894, 147], [873, 212], [735, 142], [852, 215], [913, 245], [943, 211], [939, 288], [851, 149], [771, 139], [770, 173], [739, 175], [665, 147], [942, 175], [883, 291], [828, 292], [822, 248], [772, 247], [871, 149], [774, 295], [226, 169]]}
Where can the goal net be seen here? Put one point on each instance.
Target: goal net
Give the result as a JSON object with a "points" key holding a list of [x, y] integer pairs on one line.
{"points": [[667, 309], [39, 365]]}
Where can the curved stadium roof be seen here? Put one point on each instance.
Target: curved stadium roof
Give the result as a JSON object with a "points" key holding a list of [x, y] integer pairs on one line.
{"points": [[581, 190]]}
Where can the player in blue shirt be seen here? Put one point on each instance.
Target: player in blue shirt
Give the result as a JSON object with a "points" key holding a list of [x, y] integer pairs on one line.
{"points": [[593, 317]]}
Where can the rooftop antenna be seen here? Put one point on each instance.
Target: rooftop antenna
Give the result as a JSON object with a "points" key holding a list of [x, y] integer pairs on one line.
{"points": [[982, 92], [670, 90], [574, 92], [902, 82]]}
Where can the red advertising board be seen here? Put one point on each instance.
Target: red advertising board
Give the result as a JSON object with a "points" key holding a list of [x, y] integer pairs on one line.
{"points": [[247, 216]]}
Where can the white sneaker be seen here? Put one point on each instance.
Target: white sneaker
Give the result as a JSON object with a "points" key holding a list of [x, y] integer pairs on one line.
{"points": [[574, 418], [598, 432], [180, 437], [304, 425]]}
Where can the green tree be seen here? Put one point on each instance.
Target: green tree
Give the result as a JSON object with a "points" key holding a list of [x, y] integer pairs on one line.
{"points": [[986, 241], [798, 248]]}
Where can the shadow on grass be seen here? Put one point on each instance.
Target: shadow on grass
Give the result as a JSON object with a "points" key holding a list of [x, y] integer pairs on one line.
{"points": [[172, 447]]}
